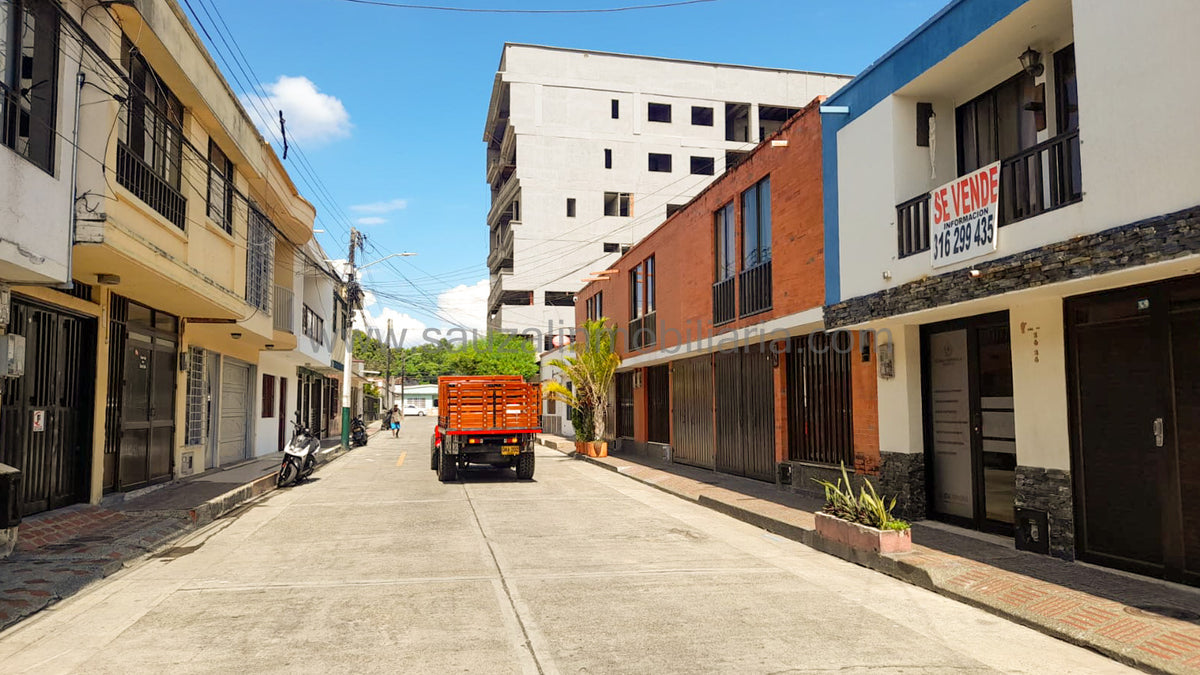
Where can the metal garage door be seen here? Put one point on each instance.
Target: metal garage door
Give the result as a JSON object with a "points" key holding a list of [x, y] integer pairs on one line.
{"points": [[235, 411], [746, 413], [692, 407]]}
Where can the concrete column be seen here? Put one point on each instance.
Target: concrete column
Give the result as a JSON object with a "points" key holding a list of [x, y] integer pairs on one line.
{"points": [[781, 408], [100, 404], [755, 137], [901, 422]]}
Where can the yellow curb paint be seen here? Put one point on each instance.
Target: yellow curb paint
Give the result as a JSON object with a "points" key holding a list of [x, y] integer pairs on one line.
{"points": [[400, 462]]}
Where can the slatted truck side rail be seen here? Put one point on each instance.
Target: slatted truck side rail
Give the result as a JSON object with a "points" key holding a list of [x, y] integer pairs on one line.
{"points": [[486, 420]]}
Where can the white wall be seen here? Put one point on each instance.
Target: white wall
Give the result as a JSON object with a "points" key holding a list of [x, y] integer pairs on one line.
{"points": [[266, 429], [1137, 127], [35, 218], [1040, 384]]}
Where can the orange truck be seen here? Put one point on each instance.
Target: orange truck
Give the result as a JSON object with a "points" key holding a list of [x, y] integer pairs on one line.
{"points": [[491, 419]]}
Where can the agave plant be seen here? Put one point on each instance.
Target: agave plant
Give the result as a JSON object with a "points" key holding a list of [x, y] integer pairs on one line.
{"points": [[592, 367], [865, 508]]}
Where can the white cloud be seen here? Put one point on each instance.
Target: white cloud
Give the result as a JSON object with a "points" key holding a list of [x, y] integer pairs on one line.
{"points": [[406, 329], [380, 207], [371, 220], [311, 117], [466, 305]]}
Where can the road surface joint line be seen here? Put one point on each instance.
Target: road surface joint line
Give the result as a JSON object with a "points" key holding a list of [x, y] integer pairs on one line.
{"points": [[547, 668]]}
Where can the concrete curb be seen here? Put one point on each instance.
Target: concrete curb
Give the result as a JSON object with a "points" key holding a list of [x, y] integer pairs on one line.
{"points": [[893, 565]]}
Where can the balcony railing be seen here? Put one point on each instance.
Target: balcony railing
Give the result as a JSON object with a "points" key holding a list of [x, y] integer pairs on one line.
{"points": [[725, 301], [502, 250], [1041, 178], [148, 186], [284, 316], [643, 332], [755, 287], [912, 226]]}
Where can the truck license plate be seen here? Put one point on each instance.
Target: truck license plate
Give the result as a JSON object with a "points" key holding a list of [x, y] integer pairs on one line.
{"points": [[510, 450]]}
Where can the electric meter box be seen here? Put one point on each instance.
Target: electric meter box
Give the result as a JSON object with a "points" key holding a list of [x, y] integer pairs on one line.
{"points": [[12, 355]]}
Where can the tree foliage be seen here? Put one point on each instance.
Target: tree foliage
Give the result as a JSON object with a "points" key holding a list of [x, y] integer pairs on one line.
{"points": [[497, 354]]}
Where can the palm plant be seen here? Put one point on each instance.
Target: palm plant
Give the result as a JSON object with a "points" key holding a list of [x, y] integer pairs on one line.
{"points": [[592, 367]]}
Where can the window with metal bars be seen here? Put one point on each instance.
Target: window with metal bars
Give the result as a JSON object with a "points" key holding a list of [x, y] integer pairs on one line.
{"points": [[260, 260], [312, 325], [195, 406], [29, 79], [150, 139], [220, 187]]}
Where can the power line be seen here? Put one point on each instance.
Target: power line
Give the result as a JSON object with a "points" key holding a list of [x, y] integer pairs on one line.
{"points": [[496, 10]]}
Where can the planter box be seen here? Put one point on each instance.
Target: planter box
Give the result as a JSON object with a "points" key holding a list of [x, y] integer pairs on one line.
{"points": [[863, 538]]}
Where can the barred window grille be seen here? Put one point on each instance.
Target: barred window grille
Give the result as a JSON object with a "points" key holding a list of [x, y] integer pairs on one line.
{"points": [[260, 256], [195, 396]]}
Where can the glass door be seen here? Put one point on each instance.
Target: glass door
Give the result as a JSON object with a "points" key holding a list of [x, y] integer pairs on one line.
{"points": [[970, 429]]}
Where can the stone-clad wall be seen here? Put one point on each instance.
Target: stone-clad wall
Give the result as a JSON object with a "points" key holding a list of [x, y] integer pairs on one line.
{"points": [[1049, 490], [1148, 241]]}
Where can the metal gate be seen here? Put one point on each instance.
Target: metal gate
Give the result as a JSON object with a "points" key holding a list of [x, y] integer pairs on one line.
{"points": [[745, 387], [46, 419], [142, 355], [625, 405], [658, 404], [692, 410], [820, 404], [235, 414]]}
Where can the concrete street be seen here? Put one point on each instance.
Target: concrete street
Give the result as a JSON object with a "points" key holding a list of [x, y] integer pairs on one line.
{"points": [[375, 566]]}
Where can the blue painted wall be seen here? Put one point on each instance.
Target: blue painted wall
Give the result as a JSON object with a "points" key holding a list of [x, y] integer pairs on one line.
{"points": [[956, 25]]}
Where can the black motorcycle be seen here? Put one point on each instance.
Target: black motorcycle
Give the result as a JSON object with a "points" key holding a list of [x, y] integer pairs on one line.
{"points": [[358, 432]]}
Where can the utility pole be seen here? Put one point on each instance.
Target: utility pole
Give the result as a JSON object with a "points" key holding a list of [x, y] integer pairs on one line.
{"points": [[352, 293], [403, 376], [388, 373]]}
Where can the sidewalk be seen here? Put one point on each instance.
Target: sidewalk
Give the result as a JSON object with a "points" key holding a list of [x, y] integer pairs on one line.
{"points": [[1149, 624], [61, 551]]}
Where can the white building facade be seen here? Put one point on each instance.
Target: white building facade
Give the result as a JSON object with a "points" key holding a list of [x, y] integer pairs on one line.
{"points": [[1039, 363], [587, 152]]}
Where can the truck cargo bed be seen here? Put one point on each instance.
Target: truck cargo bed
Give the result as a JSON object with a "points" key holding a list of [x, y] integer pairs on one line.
{"points": [[484, 404]]}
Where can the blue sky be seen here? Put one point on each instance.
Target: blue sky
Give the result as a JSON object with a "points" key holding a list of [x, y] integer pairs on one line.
{"points": [[391, 115]]}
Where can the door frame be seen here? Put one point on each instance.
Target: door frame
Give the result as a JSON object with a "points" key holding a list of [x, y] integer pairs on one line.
{"points": [[249, 429], [979, 521], [1174, 562]]}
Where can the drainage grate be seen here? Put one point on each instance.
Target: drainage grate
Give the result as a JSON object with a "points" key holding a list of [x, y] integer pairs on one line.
{"points": [[1163, 611]]}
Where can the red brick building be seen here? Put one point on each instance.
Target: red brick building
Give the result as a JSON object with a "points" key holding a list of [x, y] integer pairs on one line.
{"points": [[720, 318]]}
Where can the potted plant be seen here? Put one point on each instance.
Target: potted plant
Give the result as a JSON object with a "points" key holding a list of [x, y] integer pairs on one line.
{"points": [[592, 366], [864, 522]]}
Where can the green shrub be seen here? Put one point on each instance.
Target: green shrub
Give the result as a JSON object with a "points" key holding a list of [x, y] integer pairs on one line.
{"points": [[865, 508]]}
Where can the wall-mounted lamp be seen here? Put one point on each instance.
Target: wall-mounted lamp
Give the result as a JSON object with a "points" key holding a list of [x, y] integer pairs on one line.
{"points": [[236, 336], [270, 347], [975, 274], [108, 279], [1031, 61]]}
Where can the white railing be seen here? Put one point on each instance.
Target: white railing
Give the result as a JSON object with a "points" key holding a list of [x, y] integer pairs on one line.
{"points": [[285, 313]]}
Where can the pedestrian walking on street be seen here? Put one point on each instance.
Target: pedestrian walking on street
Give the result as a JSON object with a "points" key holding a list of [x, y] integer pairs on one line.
{"points": [[392, 419]]}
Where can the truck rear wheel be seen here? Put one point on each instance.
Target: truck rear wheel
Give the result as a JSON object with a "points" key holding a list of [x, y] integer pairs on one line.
{"points": [[525, 466], [447, 469]]}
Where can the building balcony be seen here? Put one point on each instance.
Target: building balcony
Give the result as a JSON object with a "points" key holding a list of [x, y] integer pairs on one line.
{"points": [[725, 301], [643, 332], [137, 177], [504, 201], [754, 285], [1042, 178], [500, 259]]}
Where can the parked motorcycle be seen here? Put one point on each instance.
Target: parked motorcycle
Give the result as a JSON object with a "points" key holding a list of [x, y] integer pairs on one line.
{"points": [[358, 432], [299, 457]]}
